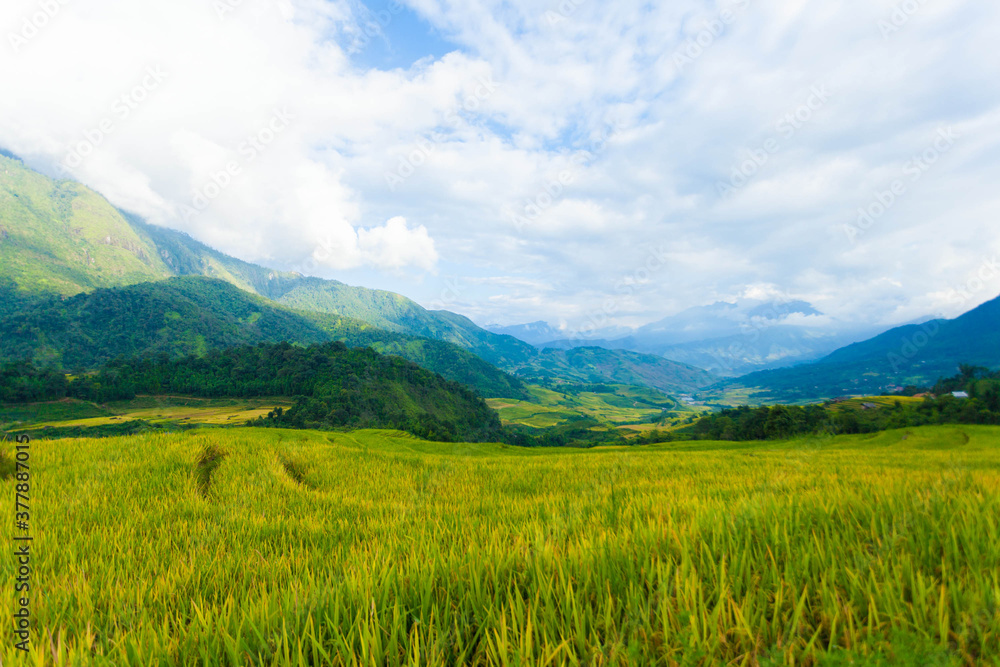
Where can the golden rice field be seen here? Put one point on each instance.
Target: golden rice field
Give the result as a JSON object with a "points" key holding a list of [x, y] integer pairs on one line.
{"points": [[266, 547]]}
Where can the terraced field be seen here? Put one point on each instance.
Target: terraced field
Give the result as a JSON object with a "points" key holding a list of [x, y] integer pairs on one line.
{"points": [[268, 547], [626, 405], [152, 409]]}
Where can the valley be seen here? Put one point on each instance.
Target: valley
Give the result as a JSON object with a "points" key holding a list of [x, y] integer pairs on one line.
{"points": [[233, 465]]}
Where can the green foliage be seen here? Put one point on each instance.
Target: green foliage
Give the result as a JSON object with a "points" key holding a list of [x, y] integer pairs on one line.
{"points": [[595, 365], [22, 382], [910, 355], [779, 422], [184, 316], [336, 387], [60, 237], [859, 550]]}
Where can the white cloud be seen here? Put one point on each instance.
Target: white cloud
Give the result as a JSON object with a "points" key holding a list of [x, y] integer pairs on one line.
{"points": [[396, 246], [315, 195]]}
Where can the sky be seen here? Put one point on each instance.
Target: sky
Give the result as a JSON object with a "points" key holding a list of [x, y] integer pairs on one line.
{"points": [[586, 163]]}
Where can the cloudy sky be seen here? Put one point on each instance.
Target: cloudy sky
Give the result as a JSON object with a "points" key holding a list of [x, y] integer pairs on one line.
{"points": [[576, 161]]}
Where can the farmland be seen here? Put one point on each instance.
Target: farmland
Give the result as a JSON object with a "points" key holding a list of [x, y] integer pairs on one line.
{"points": [[272, 547], [161, 410], [618, 405]]}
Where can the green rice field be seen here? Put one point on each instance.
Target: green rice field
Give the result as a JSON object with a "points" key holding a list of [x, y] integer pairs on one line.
{"points": [[267, 547]]}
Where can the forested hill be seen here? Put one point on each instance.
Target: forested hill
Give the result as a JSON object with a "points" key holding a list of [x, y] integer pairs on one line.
{"points": [[908, 355], [190, 316], [335, 387], [62, 237]]}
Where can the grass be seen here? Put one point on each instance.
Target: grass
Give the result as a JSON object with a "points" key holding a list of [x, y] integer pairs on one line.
{"points": [[880, 401], [376, 548], [151, 409], [628, 405], [62, 237]]}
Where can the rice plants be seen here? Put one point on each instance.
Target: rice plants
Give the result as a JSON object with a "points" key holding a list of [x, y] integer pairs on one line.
{"points": [[376, 548]]}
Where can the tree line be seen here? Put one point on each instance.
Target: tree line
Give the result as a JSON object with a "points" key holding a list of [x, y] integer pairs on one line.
{"points": [[939, 407]]}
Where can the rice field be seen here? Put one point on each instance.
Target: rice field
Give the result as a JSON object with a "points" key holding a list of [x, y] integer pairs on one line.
{"points": [[626, 406], [153, 409], [266, 547]]}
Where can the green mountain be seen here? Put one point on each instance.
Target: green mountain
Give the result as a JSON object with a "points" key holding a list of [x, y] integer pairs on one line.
{"points": [[596, 365], [61, 237], [335, 387], [910, 355], [185, 316]]}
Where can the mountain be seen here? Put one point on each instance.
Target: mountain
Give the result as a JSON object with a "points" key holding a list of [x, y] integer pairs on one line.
{"points": [[596, 365], [772, 347], [534, 333], [732, 339], [184, 316], [334, 387], [61, 237], [718, 320], [917, 354]]}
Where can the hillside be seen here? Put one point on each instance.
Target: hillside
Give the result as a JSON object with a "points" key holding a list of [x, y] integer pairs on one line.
{"points": [[182, 316], [61, 237], [334, 387], [913, 354], [596, 365], [733, 339]]}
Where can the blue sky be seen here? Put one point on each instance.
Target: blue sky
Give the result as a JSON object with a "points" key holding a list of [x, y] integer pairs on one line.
{"points": [[578, 162], [401, 38]]}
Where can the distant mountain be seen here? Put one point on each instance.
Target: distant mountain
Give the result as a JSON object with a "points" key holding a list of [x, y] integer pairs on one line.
{"points": [[718, 320], [597, 365], [542, 334], [731, 339], [917, 354], [183, 316], [61, 237], [534, 333], [774, 347]]}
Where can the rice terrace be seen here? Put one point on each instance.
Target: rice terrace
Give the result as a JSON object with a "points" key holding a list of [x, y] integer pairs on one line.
{"points": [[375, 547], [505, 333]]}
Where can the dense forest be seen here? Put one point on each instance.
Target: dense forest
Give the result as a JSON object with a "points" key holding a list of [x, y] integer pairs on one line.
{"points": [[189, 316], [939, 407], [334, 387]]}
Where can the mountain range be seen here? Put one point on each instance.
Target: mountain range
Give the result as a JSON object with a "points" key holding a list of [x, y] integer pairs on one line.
{"points": [[915, 354], [728, 339], [61, 239], [83, 282]]}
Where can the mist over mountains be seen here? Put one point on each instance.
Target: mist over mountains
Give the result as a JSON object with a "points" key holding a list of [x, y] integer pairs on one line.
{"points": [[726, 338]]}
